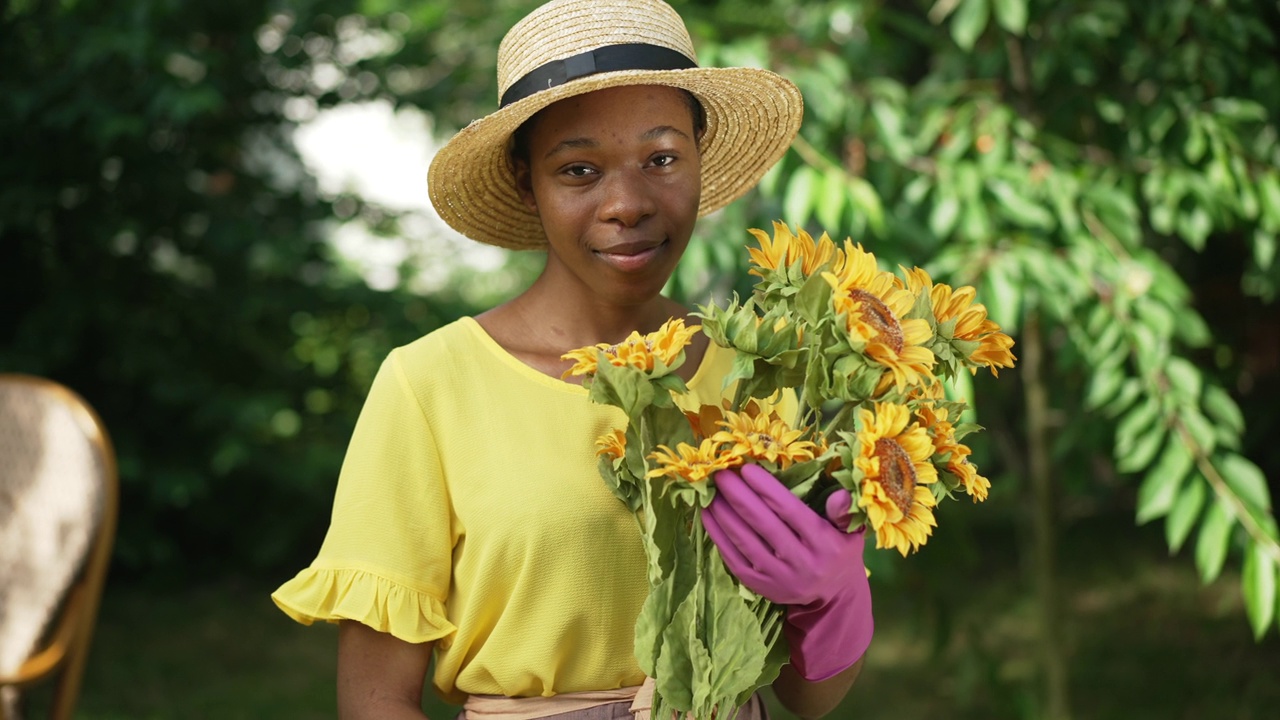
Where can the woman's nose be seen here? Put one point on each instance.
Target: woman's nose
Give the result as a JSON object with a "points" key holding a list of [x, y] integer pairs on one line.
{"points": [[626, 198]]}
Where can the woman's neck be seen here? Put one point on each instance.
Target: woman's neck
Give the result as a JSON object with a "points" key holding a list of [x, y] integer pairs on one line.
{"points": [[539, 326]]}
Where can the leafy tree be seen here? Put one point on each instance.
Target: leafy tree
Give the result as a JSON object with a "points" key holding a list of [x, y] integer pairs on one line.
{"points": [[165, 256]]}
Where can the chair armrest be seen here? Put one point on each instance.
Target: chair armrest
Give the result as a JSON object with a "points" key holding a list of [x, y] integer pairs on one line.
{"points": [[47, 660]]}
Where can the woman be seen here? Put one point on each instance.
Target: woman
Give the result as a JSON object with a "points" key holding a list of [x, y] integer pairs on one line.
{"points": [[469, 520]]}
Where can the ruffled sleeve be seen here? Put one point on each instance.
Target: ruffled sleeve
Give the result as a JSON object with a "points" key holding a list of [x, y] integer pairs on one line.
{"points": [[382, 604], [386, 560]]}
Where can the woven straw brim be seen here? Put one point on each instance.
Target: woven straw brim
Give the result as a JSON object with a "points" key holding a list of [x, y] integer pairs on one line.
{"points": [[752, 117]]}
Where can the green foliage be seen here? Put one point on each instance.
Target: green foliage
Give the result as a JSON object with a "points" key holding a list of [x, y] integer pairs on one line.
{"points": [[156, 264], [1073, 162]]}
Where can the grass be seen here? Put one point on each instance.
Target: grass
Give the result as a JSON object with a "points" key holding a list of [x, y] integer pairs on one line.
{"points": [[1146, 640]]}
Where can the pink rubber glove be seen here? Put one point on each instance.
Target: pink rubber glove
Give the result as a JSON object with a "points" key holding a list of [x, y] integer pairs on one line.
{"points": [[785, 552]]}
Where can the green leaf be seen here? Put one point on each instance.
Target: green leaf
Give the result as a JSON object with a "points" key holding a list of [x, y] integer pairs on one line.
{"points": [[1100, 319], [1136, 421], [1129, 392], [1211, 545], [736, 644], [1269, 198], [1160, 487], [1246, 481], [960, 388], [654, 617], [798, 200], [1110, 110], [1064, 195], [1238, 109], [889, 119], [1150, 349], [1184, 377], [621, 387], [1106, 341], [1199, 427], [1155, 315], [675, 669], [1118, 212], [1005, 304], [1264, 249], [1012, 15], [1222, 409], [866, 199], [1104, 385], [1194, 226], [1259, 584], [1140, 454], [814, 299], [1019, 209], [969, 21], [831, 202], [1196, 143], [945, 212], [744, 368], [1192, 329], [1184, 514]]}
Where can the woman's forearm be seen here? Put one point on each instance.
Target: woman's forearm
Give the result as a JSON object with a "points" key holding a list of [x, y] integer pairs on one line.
{"points": [[809, 700], [379, 676]]}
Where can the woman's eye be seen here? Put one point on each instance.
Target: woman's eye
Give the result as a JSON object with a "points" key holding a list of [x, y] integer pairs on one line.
{"points": [[577, 171], [664, 160]]}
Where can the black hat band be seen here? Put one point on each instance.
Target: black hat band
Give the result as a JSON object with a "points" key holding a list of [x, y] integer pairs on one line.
{"points": [[628, 56]]}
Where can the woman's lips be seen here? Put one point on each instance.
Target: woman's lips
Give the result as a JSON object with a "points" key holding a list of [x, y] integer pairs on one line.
{"points": [[631, 259]]}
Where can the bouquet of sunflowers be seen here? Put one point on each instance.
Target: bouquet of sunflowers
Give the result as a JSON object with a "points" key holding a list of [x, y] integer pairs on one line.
{"points": [[838, 379]]}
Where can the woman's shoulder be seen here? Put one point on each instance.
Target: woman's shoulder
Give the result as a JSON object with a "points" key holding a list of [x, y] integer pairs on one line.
{"points": [[448, 344], [435, 368]]}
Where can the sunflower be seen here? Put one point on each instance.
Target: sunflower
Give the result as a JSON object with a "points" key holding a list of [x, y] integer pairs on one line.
{"points": [[875, 306], [691, 464], [706, 421], [638, 351], [613, 444], [936, 423], [931, 389], [783, 250], [894, 460], [971, 322], [976, 485], [764, 437]]}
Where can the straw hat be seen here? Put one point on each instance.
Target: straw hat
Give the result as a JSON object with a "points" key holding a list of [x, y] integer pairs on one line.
{"points": [[571, 47]]}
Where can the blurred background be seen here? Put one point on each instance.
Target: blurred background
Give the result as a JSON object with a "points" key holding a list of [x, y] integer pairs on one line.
{"points": [[214, 225]]}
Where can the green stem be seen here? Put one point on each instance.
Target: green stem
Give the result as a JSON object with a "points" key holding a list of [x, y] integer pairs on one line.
{"points": [[801, 409], [739, 396], [845, 410]]}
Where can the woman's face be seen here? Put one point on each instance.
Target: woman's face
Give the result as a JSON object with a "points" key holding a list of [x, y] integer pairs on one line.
{"points": [[615, 176]]}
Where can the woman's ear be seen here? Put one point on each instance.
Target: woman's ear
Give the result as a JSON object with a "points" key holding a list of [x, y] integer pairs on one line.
{"points": [[524, 184]]}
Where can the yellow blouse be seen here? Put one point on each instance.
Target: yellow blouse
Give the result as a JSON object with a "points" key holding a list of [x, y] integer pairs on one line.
{"points": [[470, 511]]}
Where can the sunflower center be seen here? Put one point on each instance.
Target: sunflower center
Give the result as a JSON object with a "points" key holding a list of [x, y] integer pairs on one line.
{"points": [[897, 473], [878, 315]]}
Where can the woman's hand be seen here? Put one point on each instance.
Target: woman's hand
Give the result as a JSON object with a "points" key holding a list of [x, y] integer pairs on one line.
{"points": [[781, 549]]}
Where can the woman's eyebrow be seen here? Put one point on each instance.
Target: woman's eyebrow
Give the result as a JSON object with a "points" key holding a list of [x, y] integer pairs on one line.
{"points": [[580, 143], [572, 144], [659, 131]]}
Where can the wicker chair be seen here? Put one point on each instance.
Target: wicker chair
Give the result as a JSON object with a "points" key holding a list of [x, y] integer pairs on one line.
{"points": [[58, 500]]}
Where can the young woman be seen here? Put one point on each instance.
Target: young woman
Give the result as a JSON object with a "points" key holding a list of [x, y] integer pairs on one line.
{"points": [[470, 522]]}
